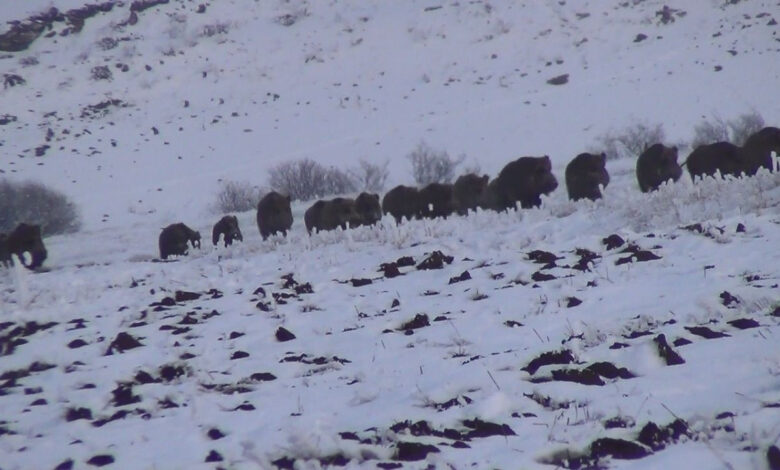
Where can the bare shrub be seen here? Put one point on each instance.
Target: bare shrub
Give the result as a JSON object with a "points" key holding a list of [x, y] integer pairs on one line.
{"points": [[237, 196], [432, 166], [34, 203], [631, 141], [744, 126], [101, 72], [708, 132], [306, 179], [735, 130], [214, 29], [370, 176]]}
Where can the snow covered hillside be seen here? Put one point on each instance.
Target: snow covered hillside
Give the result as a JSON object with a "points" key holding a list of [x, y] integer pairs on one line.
{"points": [[637, 331], [227, 93]]}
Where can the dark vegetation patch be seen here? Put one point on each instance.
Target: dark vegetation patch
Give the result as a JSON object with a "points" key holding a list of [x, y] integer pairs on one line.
{"points": [[547, 358], [319, 360], [102, 109], [16, 333], [658, 437]]}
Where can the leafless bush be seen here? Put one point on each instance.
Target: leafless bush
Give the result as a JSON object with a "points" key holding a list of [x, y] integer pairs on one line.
{"points": [[735, 130], [744, 126], [631, 141], [370, 176], [432, 166], [210, 30], [34, 203], [306, 179], [237, 196], [107, 43], [101, 72]]}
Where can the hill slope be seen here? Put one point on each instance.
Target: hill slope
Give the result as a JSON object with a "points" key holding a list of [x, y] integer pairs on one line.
{"points": [[637, 331]]}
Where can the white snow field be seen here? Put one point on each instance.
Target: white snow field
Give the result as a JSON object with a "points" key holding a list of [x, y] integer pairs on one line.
{"points": [[540, 339]]}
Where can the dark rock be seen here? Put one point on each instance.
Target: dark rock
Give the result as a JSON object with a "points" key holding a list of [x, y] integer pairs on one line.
{"points": [[559, 80], [404, 261], [123, 395], [539, 276], [101, 460], [705, 332], [666, 352], [360, 282], [239, 355], [744, 323], [184, 296], [389, 270], [77, 343], [727, 299], [464, 276], [773, 457], [640, 37], [419, 321], [480, 429], [617, 449], [681, 342], [262, 377], [638, 256], [572, 302], [143, 378], [214, 456], [543, 257], [610, 371], [284, 463], [74, 414], [65, 465], [613, 241], [584, 377], [413, 451], [169, 372], [436, 260], [283, 334], [122, 343]]}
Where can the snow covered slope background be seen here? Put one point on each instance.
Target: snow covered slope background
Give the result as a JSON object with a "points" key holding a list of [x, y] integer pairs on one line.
{"points": [[233, 91], [541, 342]]}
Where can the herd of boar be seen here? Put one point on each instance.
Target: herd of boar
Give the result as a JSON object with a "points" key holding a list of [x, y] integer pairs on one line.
{"points": [[523, 180]]}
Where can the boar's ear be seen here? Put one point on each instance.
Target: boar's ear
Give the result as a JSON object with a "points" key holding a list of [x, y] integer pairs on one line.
{"points": [[603, 158], [485, 178], [546, 162], [376, 196]]}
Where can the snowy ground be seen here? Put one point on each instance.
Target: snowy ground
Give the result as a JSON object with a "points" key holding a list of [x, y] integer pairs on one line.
{"points": [[209, 378]]}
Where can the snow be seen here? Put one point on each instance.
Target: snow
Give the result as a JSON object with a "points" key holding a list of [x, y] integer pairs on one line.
{"points": [[371, 80]]}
